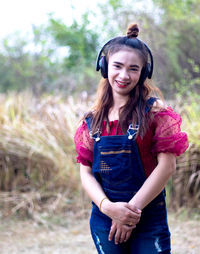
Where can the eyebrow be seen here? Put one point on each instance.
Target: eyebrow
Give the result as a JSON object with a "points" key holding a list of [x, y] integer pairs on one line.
{"points": [[133, 65]]}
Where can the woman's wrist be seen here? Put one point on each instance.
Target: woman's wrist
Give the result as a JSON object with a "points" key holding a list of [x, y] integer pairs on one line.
{"points": [[135, 204], [104, 205], [101, 202]]}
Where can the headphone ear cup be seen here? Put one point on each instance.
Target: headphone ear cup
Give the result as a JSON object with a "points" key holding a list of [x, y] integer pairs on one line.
{"points": [[145, 72], [148, 71], [103, 66]]}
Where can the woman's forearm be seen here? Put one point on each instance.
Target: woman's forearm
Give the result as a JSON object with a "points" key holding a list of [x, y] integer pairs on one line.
{"points": [[90, 185], [121, 211], [156, 182]]}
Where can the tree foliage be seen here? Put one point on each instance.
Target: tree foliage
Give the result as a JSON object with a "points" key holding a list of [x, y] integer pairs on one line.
{"points": [[61, 57], [180, 25], [22, 69], [80, 41]]}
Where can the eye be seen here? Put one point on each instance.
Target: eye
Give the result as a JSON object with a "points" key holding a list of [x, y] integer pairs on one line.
{"points": [[117, 66], [134, 69]]}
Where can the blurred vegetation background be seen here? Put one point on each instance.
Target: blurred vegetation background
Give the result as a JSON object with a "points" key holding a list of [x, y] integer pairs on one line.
{"points": [[47, 82]]}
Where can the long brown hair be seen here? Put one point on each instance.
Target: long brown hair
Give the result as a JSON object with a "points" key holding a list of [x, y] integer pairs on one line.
{"points": [[134, 110]]}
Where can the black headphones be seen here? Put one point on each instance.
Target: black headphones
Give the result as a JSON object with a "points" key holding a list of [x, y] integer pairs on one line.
{"points": [[102, 63]]}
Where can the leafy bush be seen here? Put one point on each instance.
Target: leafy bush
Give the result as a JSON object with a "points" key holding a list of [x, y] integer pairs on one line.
{"points": [[185, 184]]}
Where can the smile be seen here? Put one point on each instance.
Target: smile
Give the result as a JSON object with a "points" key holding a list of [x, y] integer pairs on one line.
{"points": [[122, 84]]}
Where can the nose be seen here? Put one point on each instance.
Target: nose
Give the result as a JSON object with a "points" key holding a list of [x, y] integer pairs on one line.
{"points": [[124, 74]]}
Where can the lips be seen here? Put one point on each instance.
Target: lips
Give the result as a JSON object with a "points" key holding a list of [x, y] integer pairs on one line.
{"points": [[122, 84]]}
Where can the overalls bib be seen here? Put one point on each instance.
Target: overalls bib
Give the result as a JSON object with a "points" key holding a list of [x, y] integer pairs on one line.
{"points": [[118, 168]]}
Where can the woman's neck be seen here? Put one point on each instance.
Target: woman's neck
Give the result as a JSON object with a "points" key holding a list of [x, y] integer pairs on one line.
{"points": [[118, 102]]}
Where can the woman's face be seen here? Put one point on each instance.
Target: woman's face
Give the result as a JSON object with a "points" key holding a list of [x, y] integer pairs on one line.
{"points": [[124, 69]]}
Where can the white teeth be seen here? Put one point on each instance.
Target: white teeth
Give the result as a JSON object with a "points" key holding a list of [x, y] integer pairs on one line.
{"points": [[122, 83]]}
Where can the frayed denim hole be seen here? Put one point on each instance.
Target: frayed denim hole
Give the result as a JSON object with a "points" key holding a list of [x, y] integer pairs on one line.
{"points": [[162, 245], [98, 242], [157, 245]]}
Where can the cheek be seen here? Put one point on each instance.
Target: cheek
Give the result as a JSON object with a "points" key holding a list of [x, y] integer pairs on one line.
{"points": [[138, 75], [110, 80], [111, 74], [135, 77]]}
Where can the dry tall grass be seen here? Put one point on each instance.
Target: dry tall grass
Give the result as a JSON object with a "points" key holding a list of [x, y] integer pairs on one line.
{"points": [[185, 187], [37, 153], [38, 169]]}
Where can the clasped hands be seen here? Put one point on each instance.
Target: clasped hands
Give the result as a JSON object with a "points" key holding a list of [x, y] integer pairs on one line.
{"points": [[124, 217]]}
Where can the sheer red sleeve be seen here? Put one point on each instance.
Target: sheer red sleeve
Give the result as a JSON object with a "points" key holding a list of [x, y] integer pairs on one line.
{"points": [[168, 136], [84, 145]]}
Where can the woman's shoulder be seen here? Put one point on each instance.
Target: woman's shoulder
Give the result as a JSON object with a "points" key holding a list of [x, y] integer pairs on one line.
{"points": [[163, 113], [159, 106]]}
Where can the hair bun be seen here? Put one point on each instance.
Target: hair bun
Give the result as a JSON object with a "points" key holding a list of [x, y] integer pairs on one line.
{"points": [[132, 31]]}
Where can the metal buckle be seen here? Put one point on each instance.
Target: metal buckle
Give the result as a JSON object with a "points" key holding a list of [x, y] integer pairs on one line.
{"points": [[130, 136], [97, 133]]}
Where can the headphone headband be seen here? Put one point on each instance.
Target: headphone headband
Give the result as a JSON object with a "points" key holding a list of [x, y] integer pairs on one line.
{"points": [[102, 64], [100, 54]]}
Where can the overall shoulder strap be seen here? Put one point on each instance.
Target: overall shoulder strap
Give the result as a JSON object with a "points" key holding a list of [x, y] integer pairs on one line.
{"points": [[96, 135], [149, 104], [88, 121]]}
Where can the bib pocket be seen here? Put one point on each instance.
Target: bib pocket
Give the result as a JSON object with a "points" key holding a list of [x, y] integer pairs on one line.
{"points": [[116, 164]]}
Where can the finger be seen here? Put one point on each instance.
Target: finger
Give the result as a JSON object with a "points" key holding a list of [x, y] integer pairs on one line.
{"points": [[133, 221], [135, 215], [134, 208], [112, 232], [135, 218], [122, 237], [117, 236], [127, 236], [130, 221], [131, 224], [130, 217]]}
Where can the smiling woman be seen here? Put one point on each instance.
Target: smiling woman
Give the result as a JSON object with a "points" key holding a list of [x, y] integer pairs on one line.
{"points": [[123, 75], [126, 153]]}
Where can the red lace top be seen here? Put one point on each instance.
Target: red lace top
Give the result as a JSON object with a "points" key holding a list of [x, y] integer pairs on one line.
{"points": [[164, 135]]}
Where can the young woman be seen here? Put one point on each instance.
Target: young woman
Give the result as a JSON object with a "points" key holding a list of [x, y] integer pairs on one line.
{"points": [[127, 147]]}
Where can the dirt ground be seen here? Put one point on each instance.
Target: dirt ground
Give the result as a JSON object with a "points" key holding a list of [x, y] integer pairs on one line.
{"points": [[70, 235]]}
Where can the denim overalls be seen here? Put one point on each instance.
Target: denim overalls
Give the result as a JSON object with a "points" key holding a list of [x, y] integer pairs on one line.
{"points": [[118, 168]]}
